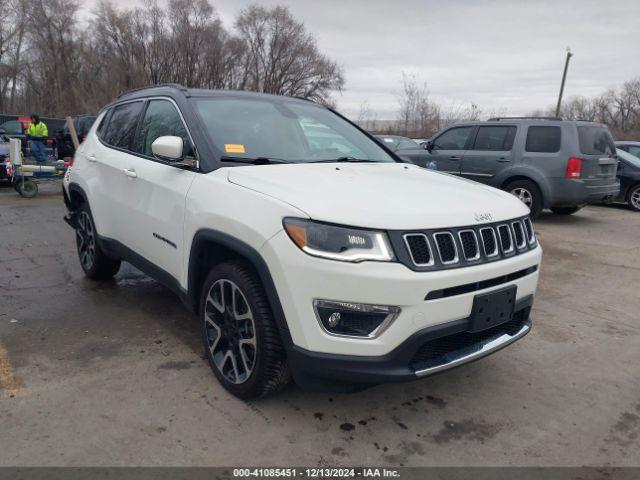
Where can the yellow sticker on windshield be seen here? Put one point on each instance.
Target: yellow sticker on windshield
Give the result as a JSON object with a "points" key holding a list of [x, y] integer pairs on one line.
{"points": [[233, 148]]}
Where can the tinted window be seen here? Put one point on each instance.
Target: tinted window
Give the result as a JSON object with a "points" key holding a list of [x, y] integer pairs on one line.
{"points": [[595, 140], [543, 139], [162, 119], [494, 138], [121, 129], [633, 150], [454, 139]]}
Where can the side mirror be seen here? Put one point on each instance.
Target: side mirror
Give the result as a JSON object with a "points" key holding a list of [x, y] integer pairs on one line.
{"points": [[168, 149], [428, 145]]}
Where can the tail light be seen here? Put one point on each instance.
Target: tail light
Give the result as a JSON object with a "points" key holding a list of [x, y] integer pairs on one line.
{"points": [[574, 168]]}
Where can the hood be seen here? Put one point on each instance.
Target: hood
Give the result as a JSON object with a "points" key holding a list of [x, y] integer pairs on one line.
{"points": [[390, 196]]}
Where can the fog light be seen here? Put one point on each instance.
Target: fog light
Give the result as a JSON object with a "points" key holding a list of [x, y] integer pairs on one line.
{"points": [[334, 319], [354, 319]]}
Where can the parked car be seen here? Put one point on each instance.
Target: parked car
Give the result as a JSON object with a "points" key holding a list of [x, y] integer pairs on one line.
{"points": [[64, 144], [545, 162], [632, 147], [341, 271], [629, 175], [16, 129], [396, 142]]}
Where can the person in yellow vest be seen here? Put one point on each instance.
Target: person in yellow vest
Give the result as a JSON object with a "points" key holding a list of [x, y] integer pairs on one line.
{"points": [[37, 133]]}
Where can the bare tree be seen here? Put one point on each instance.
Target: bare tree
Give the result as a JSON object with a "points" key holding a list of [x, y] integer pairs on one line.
{"points": [[281, 57], [418, 115]]}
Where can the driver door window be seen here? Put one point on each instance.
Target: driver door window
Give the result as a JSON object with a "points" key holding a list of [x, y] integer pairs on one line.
{"points": [[454, 139]]}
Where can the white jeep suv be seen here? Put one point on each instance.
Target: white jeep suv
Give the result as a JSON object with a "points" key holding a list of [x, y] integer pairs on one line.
{"points": [[307, 249]]}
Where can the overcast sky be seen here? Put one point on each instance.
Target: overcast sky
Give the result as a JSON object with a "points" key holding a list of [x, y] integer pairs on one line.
{"points": [[504, 55]]}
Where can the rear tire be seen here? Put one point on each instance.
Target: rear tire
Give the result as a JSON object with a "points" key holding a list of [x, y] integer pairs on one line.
{"points": [[633, 198], [239, 333], [565, 210], [527, 192], [94, 262]]}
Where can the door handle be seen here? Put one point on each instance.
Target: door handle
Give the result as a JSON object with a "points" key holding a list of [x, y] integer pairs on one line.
{"points": [[131, 173], [504, 160], [453, 157], [92, 158]]}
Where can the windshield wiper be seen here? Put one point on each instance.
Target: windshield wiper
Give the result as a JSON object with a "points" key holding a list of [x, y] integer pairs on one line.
{"points": [[343, 159], [253, 161]]}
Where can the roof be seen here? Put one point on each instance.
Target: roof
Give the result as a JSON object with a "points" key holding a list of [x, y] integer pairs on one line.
{"points": [[628, 142], [174, 88]]}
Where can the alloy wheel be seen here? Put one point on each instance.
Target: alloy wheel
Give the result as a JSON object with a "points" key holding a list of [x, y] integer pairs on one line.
{"points": [[86, 241], [635, 198], [230, 331], [524, 195]]}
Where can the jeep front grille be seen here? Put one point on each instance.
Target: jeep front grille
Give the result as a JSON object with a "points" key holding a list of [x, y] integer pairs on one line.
{"points": [[462, 246]]}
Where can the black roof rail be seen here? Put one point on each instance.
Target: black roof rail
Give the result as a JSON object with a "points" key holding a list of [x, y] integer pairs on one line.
{"points": [[158, 85], [497, 119]]}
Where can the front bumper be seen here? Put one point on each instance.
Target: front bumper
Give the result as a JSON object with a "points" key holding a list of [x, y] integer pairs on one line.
{"points": [[447, 346], [300, 279]]}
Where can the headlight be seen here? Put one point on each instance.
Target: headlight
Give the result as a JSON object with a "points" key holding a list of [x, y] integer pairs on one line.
{"points": [[338, 243]]}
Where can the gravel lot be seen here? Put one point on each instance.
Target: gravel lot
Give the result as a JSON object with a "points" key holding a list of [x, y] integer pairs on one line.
{"points": [[113, 374]]}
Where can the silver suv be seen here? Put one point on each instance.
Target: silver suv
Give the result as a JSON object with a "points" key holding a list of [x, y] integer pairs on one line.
{"points": [[546, 162]]}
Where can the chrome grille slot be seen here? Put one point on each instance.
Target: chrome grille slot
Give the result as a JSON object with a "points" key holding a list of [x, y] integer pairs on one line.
{"points": [[469, 243], [518, 233], [489, 242], [419, 249], [446, 247], [531, 238], [506, 242]]}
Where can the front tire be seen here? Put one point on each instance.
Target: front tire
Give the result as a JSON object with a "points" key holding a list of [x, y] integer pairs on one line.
{"points": [[94, 262], [528, 193], [633, 198], [565, 210], [239, 332]]}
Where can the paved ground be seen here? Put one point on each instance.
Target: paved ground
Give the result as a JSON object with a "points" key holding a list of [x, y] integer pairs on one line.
{"points": [[113, 374]]}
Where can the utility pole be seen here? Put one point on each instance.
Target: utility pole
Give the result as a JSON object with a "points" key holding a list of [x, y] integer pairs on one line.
{"points": [[564, 78]]}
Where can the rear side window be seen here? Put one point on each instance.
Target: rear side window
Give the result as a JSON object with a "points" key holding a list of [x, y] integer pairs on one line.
{"points": [[543, 139], [595, 140], [121, 129], [496, 138]]}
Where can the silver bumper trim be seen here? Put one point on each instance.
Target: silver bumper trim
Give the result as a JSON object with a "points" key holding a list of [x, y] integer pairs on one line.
{"points": [[490, 346]]}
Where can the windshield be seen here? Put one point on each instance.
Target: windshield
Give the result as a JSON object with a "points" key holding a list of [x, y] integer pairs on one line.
{"points": [[627, 157], [278, 129]]}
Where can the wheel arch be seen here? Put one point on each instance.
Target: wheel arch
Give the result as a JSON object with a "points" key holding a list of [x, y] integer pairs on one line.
{"points": [[518, 176], [76, 197], [210, 247]]}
